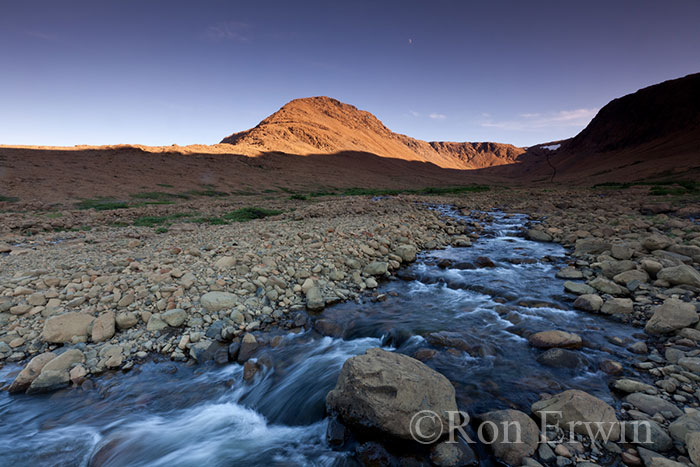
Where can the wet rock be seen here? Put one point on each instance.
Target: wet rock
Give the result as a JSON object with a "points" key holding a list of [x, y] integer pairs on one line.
{"points": [[447, 454], [611, 367], [336, 432], [555, 338], [504, 427], [250, 369], [328, 327], [314, 299], [374, 455], [680, 275], [559, 358], [30, 372], [383, 391], [49, 381], [639, 348], [63, 328], [249, 345], [538, 235], [215, 301], [652, 404], [569, 273], [484, 262], [606, 286], [574, 406], [588, 302], [671, 316]]}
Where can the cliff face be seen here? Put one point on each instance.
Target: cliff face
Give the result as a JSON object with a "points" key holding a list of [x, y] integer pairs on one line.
{"points": [[323, 125]]}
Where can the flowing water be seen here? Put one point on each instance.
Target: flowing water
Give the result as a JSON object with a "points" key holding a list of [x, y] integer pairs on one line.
{"points": [[475, 319]]}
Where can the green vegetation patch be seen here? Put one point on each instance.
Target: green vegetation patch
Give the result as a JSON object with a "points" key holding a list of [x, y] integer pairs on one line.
{"points": [[8, 199], [102, 204], [449, 190], [249, 214], [657, 188]]}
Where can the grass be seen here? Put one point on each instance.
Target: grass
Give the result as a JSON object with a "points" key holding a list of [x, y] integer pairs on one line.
{"points": [[102, 204], [161, 223], [449, 190], [153, 221], [161, 230], [657, 188], [8, 199], [158, 196], [207, 192], [249, 214]]}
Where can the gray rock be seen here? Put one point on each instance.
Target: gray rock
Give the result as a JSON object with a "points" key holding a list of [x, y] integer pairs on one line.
{"points": [[457, 454], [683, 425], [156, 323], [653, 404], [215, 301], [569, 273], [617, 306], [632, 385], [692, 444], [504, 427], [376, 268], [538, 235], [314, 299], [606, 286], [103, 327], [406, 252], [383, 391], [555, 338], [572, 406], [126, 320], [647, 433], [588, 302], [63, 328], [680, 275], [559, 358], [49, 381], [671, 316], [30, 372], [590, 246], [175, 317], [578, 288]]}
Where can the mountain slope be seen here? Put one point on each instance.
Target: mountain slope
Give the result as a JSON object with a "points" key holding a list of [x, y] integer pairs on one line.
{"points": [[323, 125]]}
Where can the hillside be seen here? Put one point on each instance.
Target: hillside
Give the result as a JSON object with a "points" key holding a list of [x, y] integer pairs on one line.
{"points": [[323, 125]]}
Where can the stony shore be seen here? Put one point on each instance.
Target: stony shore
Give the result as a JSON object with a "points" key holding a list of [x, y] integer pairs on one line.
{"points": [[114, 296]]}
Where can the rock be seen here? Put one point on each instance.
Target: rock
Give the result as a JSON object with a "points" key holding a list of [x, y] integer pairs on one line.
{"points": [[335, 433], [314, 299], [126, 300], [559, 358], [680, 275], [126, 320], [538, 235], [63, 328], [554, 338], [626, 277], [175, 317], [588, 302], [569, 273], [618, 306], [65, 361], [328, 327], [590, 246], [562, 451], [632, 385], [611, 367], [651, 267], [504, 427], [651, 405], [457, 454], [30, 372], [249, 344], [383, 391], [215, 301], [484, 262], [103, 327], [604, 285], [77, 374], [156, 323], [225, 262], [406, 252], [574, 406], [691, 364], [685, 424], [656, 242], [36, 299], [671, 316], [692, 444], [376, 268], [647, 433], [49, 381], [620, 251], [578, 288], [250, 369]]}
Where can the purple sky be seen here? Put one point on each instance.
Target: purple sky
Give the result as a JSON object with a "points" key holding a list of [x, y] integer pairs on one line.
{"points": [[163, 72]]}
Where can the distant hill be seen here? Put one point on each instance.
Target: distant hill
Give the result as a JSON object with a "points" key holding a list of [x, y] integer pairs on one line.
{"points": [[318, 125]]}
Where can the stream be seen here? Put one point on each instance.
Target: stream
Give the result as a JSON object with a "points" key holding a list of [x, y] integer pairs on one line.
{"points": [[472, 322]]}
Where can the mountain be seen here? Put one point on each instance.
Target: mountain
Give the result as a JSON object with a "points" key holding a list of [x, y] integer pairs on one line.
{"points": [[322, 125], [653, 133], [667, 109]]}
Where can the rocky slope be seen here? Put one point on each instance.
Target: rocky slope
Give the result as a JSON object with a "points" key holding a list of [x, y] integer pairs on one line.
{"points": [[321, 125]]}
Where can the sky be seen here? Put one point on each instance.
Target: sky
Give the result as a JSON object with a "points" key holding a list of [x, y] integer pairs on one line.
{"points": [[163, 72]]}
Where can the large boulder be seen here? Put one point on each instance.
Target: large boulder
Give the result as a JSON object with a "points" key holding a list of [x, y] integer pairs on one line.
{"points": [[103, 327], [558, 339], [586, 414], [406, 252], [215, 301], [588, 302], [376, 268], [685, 424], [651, 405], [383, 391], [671, 316], [314, 299], [680, 275], [504, 428], [63, 328], [30, 372]]}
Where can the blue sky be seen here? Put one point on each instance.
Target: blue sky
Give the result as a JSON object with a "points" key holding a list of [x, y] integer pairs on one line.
{"points": [[163, 72]]}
